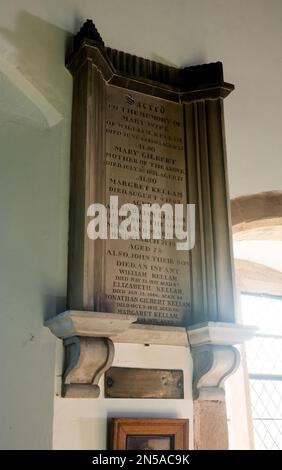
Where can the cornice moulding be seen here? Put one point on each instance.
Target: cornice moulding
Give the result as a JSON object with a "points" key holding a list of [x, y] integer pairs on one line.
{"points": [[219, 333]]}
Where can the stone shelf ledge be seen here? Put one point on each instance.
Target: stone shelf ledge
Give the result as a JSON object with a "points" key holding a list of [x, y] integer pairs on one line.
{"points": [[119, 328], [89, 339], [219, 333], [125, 329], [153, 334], [87, 323], [215, 357]]}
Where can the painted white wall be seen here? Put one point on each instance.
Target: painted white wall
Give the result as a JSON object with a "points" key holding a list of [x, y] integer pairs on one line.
{"points": [[245, 34], [84, 423], [35, 110], [267, 252], [34, 162]]}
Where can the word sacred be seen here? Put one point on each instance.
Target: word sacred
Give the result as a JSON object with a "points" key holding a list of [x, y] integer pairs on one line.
{"points": [[157, 222]]}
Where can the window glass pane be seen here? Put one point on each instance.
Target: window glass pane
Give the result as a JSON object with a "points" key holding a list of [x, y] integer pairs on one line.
{"points": [[264, 312], [266, 398], [268, 434], [264, 355]]}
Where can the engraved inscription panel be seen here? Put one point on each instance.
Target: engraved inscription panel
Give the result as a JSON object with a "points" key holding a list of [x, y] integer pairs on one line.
{"points": [[145, 164]]}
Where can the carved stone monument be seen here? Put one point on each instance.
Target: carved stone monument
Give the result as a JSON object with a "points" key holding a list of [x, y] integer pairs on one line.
{"points": [[147, 133]]}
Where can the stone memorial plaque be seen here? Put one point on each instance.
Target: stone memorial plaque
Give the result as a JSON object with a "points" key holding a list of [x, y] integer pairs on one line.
{"points": [[148, 133], [145, 164], [143, 133]]}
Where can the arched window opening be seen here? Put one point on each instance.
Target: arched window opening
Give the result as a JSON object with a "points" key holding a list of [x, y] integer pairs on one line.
{"points": [[255, 392]]}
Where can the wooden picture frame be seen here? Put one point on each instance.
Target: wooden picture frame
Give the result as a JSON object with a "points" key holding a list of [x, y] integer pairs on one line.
{"points": [[149, 434]]}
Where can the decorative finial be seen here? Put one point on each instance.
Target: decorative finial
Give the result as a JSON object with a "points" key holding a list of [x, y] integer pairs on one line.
{"points": [[87, 31]]}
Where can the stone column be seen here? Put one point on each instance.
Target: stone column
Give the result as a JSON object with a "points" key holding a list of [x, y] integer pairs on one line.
{"points": [[211, 259], [210, 425], [214, 359], [212, 329]]}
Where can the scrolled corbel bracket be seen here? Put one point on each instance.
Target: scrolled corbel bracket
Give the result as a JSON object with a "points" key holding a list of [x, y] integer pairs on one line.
{"points": [[89, 349], [87, 358], [212, 365], [214, 356]]}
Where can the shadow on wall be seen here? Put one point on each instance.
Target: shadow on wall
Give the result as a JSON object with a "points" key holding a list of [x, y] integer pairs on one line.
{"points": [[34, 159], [53, 305], [36, 50]]}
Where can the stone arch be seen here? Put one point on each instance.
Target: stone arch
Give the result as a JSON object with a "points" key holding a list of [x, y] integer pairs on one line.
{"points": [[257, 216]]}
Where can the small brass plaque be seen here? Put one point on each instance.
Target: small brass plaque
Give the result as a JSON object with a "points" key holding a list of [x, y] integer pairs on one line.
{"points": [[125, 382]]}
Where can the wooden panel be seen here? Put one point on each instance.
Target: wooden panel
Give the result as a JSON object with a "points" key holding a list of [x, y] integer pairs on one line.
{"points": [[150, 429], [124, 382]]}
